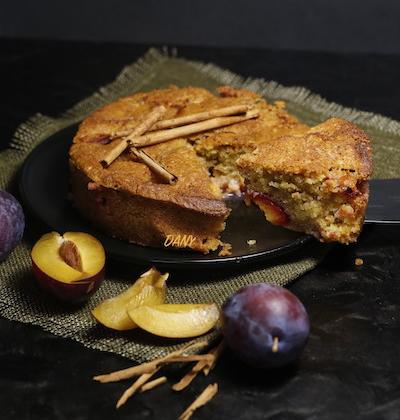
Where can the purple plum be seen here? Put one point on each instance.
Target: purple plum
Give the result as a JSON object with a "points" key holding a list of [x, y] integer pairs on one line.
{"points": [[12, 223], [265, 325]]}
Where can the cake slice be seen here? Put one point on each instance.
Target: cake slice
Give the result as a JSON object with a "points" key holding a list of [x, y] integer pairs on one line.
{"points": [[315, 182]]}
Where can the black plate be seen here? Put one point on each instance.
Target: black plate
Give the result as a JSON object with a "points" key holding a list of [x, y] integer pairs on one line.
{"points": [[44, 190]]}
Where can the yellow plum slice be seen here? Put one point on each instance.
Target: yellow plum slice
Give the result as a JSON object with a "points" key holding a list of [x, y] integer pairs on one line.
{"points": [[149, 289], [176, 320]]}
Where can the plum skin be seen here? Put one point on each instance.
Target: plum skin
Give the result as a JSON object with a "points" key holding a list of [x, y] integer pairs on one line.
{"points": [[12, 223], [76, 292], [256, 314]]}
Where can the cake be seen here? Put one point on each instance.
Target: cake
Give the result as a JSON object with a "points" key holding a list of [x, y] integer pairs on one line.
{"points": [[129, 201], [315, 182]]}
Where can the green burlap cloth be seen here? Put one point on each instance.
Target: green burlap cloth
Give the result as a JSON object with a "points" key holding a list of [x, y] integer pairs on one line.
{"points": [[21, 300]]}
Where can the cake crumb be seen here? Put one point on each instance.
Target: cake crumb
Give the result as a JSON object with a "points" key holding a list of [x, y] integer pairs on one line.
{"points": [[92, 186], [226, 250], [358, 261], [251, 242]]}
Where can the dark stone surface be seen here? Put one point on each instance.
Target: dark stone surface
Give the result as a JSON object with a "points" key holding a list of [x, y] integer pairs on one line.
{"points": [[350, 367]]}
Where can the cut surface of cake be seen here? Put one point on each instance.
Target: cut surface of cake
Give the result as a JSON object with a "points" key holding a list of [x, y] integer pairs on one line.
{"points": [[222, 147], [315, 182]]}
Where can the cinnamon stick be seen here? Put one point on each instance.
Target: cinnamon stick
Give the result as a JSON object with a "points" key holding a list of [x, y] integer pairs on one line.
{"points": [[207, 395], [216, 353], [152, 384], [146, 367], [208, 358], [155, 115], [188, 378], [203, 365], [200, 116], [154, 166], [186, 130], [135, 387], [176, 122]]}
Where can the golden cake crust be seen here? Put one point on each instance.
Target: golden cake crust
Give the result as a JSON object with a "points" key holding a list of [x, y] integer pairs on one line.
{"points": [[273, 122], [129, 175], [335, 145], [177, 156]]}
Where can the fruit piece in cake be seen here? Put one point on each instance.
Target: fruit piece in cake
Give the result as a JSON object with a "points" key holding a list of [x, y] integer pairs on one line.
{"points": [[318, 179], [149, 289], [176, 320], [274, 213], [70, 266]]}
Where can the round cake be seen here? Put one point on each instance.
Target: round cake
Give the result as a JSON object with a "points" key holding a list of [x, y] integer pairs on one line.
{"points": [[130, 201]]}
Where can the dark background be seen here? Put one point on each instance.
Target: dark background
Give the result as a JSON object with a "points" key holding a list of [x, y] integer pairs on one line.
{"points": [[340, 25]]}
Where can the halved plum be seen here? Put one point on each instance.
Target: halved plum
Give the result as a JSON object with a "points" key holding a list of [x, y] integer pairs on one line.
{"points": [[69, 266]]}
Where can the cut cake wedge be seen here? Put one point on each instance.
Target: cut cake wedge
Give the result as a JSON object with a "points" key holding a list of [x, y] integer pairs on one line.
{"points": [[315, 182]]}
